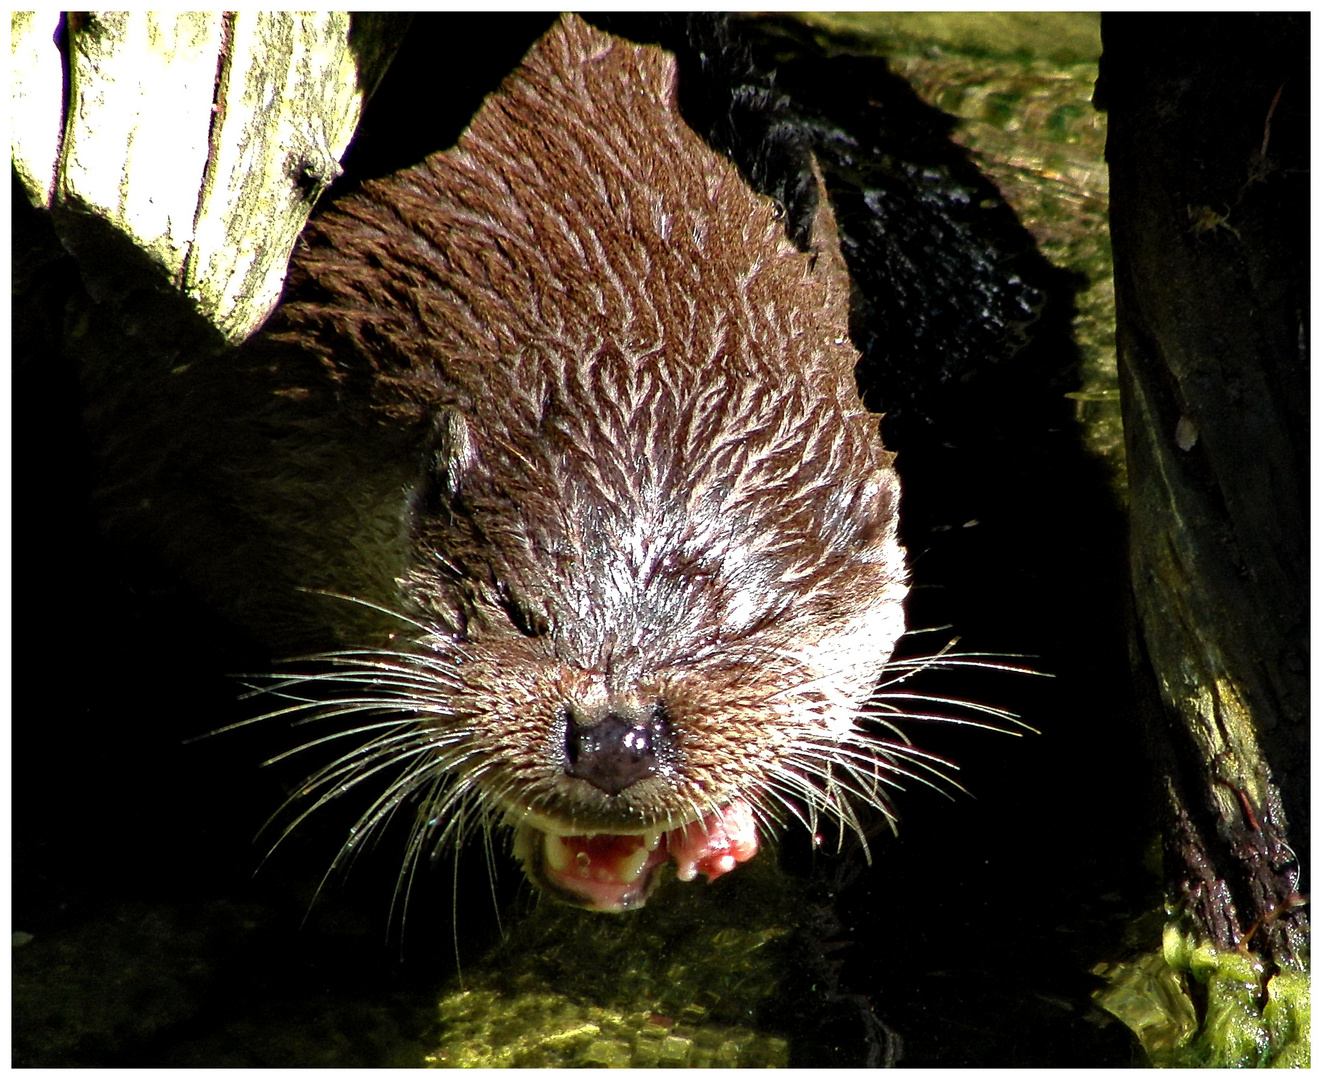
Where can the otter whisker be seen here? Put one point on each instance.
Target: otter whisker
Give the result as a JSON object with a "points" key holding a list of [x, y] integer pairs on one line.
{"points": [[422, 828], [770, 817], [322, 708], [885, 700], [981, 661], [861, 772], [372, 605], [904, 666], [403, 713], [890, 758], [431, 741], [335, 735], [440, 803], [417, 656], [388, 691], [342, 781], [339, 776], [391, 673], [373, 820], [820, 781], [419, 695], [894, 713], [820, 796], [440, 813]]}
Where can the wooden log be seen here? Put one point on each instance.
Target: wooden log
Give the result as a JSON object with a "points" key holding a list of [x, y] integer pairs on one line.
{"points": [[1208, 151], [36, 119], [202, 139]]}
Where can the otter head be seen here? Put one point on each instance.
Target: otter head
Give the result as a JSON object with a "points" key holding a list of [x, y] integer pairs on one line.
{"points": [[652, 560]]}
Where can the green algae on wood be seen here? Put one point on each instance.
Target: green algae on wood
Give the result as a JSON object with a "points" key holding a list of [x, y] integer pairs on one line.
{"points": [[1193, 1006]]}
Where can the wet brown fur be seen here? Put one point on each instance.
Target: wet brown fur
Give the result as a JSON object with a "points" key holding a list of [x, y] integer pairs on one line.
{"points": [[643, 472], [655, 480]]}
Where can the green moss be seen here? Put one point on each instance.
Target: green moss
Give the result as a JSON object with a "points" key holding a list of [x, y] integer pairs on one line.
{"points": [[676, 984], [1014, 37], [1287, 1015], [1191, 1005]]}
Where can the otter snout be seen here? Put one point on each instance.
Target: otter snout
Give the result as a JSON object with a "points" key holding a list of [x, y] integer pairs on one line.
{"points": [[617, 750]]}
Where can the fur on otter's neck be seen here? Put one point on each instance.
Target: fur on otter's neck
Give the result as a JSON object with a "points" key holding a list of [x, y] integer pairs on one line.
{"points": [[651, 547]]}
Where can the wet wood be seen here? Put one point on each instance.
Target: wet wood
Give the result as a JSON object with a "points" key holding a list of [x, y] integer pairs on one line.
{"points": [[1208, 151]]}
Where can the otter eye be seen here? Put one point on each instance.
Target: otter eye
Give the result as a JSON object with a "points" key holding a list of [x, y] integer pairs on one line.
{"points": [[446, 459], [527, 623]]}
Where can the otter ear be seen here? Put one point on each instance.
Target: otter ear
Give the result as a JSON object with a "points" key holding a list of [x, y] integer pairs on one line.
{"points": [[829, 266]]}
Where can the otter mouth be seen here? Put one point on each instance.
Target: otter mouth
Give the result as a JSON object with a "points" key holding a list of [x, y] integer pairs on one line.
{"points": [[617, 871]]}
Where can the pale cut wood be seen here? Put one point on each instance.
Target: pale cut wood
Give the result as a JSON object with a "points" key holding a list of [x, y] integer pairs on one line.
{"points": [[292, 98], [36, 101], [203, 139], [137, 137]]}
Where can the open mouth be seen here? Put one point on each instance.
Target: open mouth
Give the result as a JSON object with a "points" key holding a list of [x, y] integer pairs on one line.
{"points": [[617, 871]]}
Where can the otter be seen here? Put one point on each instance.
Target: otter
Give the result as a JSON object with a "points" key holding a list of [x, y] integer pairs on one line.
{"points": [[579, 482]]}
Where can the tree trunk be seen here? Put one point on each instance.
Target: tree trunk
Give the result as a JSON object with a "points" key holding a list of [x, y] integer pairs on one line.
{"points": [[1208, 152]]}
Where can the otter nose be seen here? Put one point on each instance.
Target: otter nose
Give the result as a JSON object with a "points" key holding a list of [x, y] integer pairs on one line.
{"points": [[616, 751]]}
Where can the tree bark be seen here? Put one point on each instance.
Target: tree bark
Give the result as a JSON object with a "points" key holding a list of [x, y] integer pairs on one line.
{"points": [[1208, 152]]}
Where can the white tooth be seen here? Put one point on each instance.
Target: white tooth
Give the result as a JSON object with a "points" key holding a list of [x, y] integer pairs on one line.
{"points": [[631, 867], [557, 854], [652, 840], [527, 844]]}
